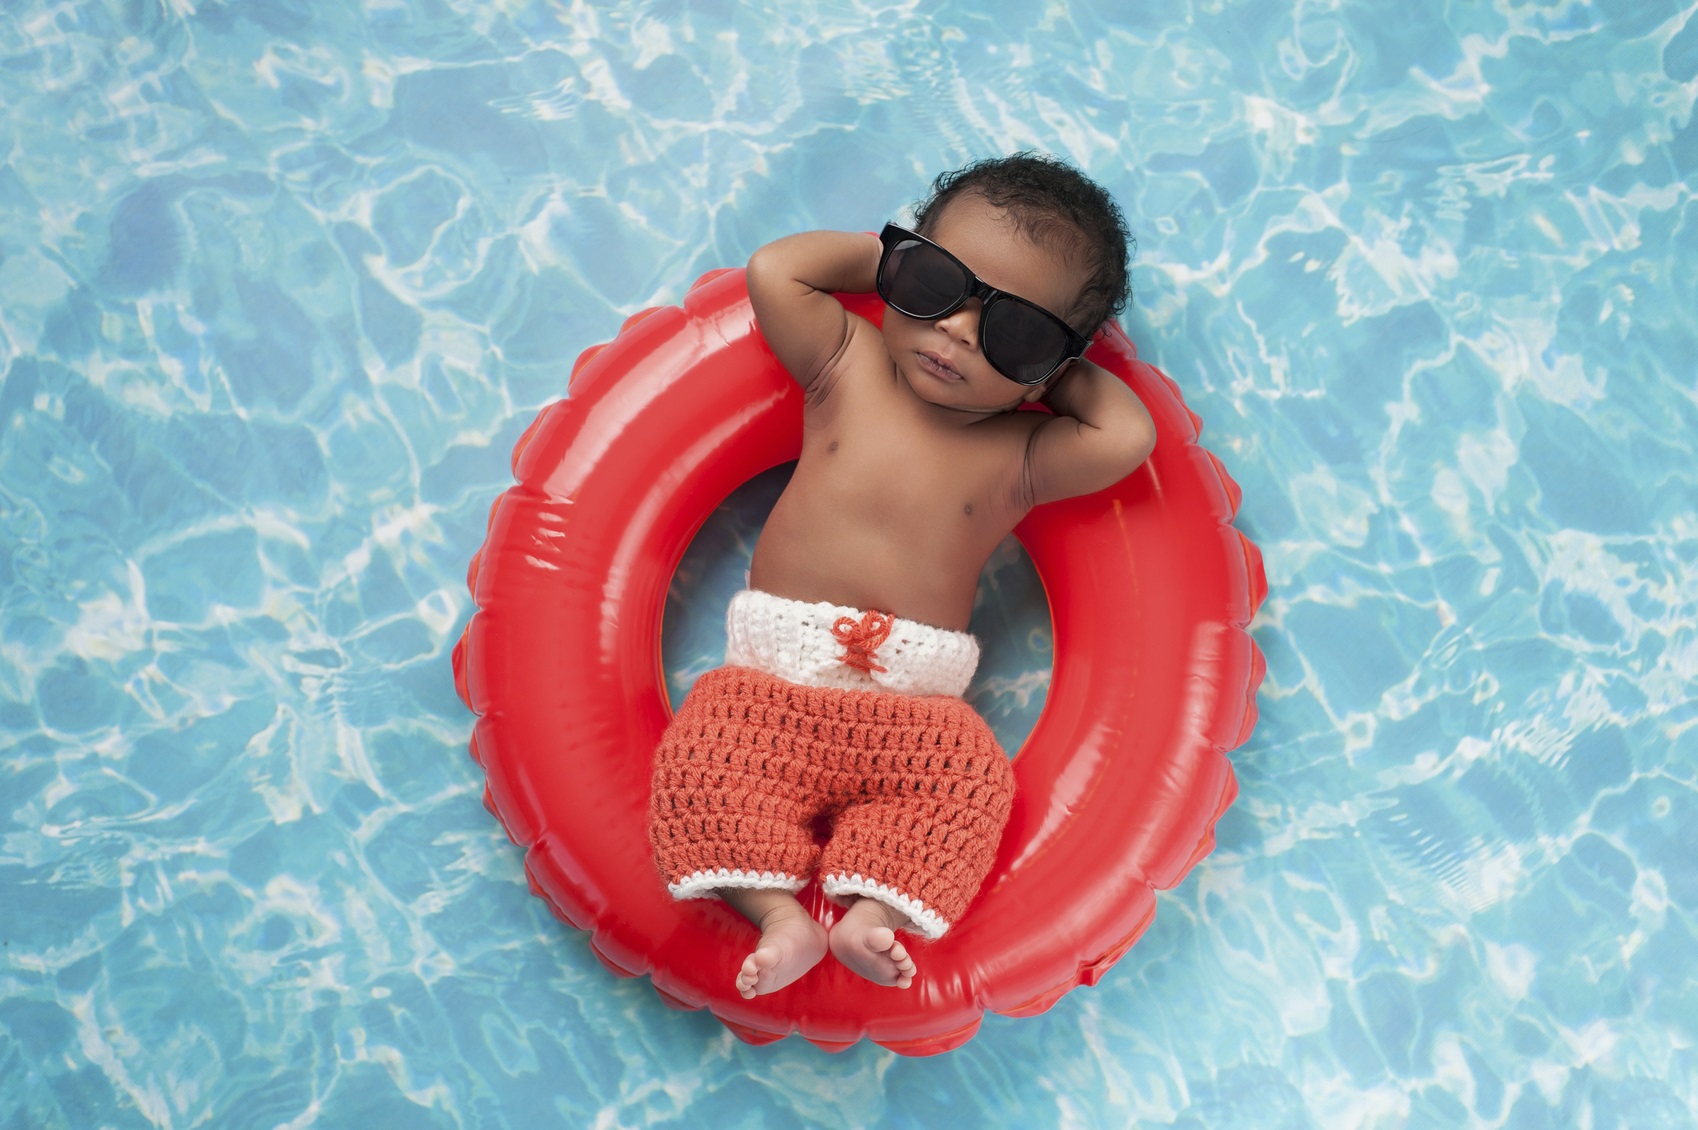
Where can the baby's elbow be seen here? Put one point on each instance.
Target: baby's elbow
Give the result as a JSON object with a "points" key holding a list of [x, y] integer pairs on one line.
{"points": [[1133, 445], [767, 276], [1118, 455], [763, 265], [1141, 446]]}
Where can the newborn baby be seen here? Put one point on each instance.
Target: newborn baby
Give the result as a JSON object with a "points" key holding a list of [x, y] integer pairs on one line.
{"points": [[839, 706]]}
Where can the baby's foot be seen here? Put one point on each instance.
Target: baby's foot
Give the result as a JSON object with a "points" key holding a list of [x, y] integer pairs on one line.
{"points": [[791, 944], [865, 941]]}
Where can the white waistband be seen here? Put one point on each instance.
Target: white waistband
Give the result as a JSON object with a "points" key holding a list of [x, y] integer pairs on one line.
{"points": [[810, 644]]}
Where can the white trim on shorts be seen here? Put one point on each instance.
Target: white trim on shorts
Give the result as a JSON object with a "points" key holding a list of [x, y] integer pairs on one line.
{"points": [[926, 922], [708, 884]]}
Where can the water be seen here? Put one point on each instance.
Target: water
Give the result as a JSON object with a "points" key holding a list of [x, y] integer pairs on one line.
{"points": [[280, 285]]}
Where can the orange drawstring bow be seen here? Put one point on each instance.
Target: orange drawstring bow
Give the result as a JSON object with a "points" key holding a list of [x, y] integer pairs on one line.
{"points": [[861, 639]]}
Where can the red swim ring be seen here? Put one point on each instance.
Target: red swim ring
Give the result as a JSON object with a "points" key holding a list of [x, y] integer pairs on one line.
{"points": [[1120, 784]]}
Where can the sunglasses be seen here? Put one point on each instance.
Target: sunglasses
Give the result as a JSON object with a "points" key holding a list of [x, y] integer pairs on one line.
{"points": [[1022, 341]]}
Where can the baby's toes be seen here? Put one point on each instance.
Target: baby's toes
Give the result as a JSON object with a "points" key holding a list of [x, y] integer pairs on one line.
{"points": [[748, 976]]}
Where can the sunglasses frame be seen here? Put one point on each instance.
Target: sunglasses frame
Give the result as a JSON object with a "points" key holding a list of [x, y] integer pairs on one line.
{"points": [[989, 296]]}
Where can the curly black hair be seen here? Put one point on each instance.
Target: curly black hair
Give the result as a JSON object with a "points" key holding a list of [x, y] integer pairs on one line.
{"points": [[1050, 200]]}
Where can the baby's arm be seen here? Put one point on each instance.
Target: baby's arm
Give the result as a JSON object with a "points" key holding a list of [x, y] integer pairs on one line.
{"points": [[1099, 434], [791, 282]]}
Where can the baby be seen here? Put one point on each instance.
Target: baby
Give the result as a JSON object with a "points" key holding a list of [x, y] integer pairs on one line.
{"points": [[839, 708]]}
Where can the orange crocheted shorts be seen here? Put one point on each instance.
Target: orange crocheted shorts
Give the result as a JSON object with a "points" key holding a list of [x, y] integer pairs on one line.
{"points": [[761, 782], [914, 791]]}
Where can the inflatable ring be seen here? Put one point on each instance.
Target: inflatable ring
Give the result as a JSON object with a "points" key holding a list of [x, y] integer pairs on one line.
{"points": [[1119, 785]]}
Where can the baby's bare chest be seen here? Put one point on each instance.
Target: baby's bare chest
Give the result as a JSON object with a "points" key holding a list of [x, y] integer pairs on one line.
{"points": [[901, 472], [884, 512]]}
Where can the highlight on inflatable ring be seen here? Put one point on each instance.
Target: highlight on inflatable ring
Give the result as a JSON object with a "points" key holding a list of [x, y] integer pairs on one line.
{"points": [[1120, 784]]}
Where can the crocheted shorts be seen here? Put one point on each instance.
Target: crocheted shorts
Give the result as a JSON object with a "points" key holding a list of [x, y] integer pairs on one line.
{"points": [[829, 719]]}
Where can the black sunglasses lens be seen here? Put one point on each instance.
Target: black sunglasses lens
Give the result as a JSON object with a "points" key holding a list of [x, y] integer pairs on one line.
{"points": [[920, 281], [1023, 344]]}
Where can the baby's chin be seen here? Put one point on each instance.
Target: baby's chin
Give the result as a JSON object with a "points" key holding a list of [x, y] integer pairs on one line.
{"points": [[957, 396]]}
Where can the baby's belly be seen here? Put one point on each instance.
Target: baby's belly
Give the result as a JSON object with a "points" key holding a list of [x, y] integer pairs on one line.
{"points": [[893, 571]]}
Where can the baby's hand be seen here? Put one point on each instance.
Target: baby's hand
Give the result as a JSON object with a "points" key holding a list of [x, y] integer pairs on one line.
{"points": [[1055, 397]]}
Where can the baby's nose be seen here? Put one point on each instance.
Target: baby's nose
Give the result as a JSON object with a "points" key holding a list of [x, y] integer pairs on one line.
{"points": [[964, 323]]}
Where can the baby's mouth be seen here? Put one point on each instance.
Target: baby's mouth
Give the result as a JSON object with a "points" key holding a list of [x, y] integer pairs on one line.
{"points": [[939, 368]]}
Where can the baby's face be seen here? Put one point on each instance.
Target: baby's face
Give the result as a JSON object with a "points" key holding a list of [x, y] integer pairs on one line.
{"points": [[941, 360]]}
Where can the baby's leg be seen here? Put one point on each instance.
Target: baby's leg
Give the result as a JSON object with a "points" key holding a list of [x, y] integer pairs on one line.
{"points": [[791, 941], [865, 940], [731, 816], [913, 857]]}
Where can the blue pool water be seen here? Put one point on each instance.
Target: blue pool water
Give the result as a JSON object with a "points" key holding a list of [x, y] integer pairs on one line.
{"points": [[282, 282]]}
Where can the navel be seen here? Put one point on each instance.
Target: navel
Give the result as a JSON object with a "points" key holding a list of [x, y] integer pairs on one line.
{"points": [[967, 510], [832, 448]]}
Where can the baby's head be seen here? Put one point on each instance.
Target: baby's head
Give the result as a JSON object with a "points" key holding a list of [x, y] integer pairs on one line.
{"points": [[1053, 205], [1034, 233]]}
